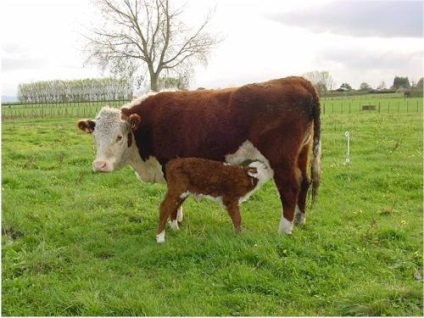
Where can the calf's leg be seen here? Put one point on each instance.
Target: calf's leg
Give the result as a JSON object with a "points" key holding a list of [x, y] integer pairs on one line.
{"points": [[169, 205], [177, 217], [233, 210]]}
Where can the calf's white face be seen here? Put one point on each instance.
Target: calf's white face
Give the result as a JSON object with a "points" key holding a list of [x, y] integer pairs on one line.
{"points": [[113, 136]]}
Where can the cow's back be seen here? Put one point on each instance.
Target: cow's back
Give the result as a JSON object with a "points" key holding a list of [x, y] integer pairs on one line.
{"points": [[214, 123], [187, 124]]}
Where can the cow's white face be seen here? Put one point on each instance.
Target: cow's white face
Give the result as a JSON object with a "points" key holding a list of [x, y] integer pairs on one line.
{"points": [[114, 138]]}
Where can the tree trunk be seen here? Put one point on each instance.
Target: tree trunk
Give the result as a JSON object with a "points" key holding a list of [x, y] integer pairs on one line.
{"points": [[154, 81]]}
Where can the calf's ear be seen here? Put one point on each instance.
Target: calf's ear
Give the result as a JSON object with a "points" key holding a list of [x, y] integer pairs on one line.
{"points": [[86, 125], [252, 171], [134, 121]]}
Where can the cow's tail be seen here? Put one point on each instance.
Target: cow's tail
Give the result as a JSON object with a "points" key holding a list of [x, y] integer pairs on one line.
{"points": [[316, 146]]}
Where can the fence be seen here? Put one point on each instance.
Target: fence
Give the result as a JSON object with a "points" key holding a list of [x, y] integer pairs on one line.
{"points": [[328, 106], [393, 105], [56, 110]]}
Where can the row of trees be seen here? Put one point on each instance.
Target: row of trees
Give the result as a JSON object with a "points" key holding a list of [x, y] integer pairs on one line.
{"points": [[106, 89], [399, 83], [325, 83], [75, 90]]}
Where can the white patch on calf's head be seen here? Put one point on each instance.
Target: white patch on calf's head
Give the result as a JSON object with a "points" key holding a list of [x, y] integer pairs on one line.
{"points": [[263, 172], [246, 152]]}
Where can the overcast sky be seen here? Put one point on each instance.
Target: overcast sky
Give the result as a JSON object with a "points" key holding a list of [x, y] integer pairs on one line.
{"points": [[355, 41]]}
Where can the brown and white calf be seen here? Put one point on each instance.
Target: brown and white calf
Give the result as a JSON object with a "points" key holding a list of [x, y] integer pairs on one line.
{"points": [[229, 185]]}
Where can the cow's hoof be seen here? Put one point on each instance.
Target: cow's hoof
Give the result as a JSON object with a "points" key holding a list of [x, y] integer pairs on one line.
{"points": [[300, 218], [160, 238], [286, 226]]}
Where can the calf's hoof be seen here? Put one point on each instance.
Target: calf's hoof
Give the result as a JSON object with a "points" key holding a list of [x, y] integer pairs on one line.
{"points": [[174, 225]]}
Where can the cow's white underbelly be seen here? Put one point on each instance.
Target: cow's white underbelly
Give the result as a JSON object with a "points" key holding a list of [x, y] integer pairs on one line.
{"points": [[248, 151], [151, 170]]}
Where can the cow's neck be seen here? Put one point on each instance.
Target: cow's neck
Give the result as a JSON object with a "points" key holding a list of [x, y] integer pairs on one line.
{"points": [[147, 171]]}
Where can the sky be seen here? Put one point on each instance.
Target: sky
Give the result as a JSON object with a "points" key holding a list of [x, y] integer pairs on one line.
{"points": [[355, 41]]}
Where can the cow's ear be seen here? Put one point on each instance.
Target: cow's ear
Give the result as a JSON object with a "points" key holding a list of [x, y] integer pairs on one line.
{"points": [[134, 121], [87, 125]]}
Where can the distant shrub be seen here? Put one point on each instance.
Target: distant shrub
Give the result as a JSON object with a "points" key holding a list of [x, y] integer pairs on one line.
{"points": [[414, 93]]}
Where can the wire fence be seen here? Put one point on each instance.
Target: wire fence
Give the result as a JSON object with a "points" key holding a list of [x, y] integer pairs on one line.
{"points": [[392, 105], [90, 109], [56, 110]]}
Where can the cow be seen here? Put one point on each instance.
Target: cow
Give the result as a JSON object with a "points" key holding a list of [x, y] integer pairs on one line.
{"points": [[276, 122], [230, 185]]}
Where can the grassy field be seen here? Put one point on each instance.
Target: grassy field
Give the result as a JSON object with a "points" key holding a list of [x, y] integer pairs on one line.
{"points": [[79, 243]]}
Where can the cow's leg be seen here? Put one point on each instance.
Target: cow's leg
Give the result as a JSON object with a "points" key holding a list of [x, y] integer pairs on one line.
{"points": [[170, 204], [288, 184], [234, 213], [303, 164]]}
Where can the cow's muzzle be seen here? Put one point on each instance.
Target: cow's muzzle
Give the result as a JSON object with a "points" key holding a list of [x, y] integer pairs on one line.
{"points": [[100, 165]]}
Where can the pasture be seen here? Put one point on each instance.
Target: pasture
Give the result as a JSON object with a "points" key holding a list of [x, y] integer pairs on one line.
{"points": [[76, 242]]}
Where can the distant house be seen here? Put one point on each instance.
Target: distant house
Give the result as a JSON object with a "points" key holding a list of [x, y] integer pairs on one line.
{"points": [[342, 89]]}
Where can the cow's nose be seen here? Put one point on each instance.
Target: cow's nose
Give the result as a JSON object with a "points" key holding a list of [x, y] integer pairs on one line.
{"points": [[99, 165]]}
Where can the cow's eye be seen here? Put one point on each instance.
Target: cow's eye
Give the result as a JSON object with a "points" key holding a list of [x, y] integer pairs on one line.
{"points": [[119, 138]]}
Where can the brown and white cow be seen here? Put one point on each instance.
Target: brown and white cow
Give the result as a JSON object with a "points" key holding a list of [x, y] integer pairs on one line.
{"points": [[275, 122], [230, 185]]}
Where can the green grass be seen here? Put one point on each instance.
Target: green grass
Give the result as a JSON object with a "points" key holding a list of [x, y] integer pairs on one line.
{"points": [[79, 243]]}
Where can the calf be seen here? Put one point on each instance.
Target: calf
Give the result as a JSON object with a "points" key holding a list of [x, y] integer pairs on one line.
{"points": [[225, 183]]}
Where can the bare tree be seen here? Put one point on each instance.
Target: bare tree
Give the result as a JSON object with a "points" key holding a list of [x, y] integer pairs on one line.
{"points": [[322, 80], [138, 37]]}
